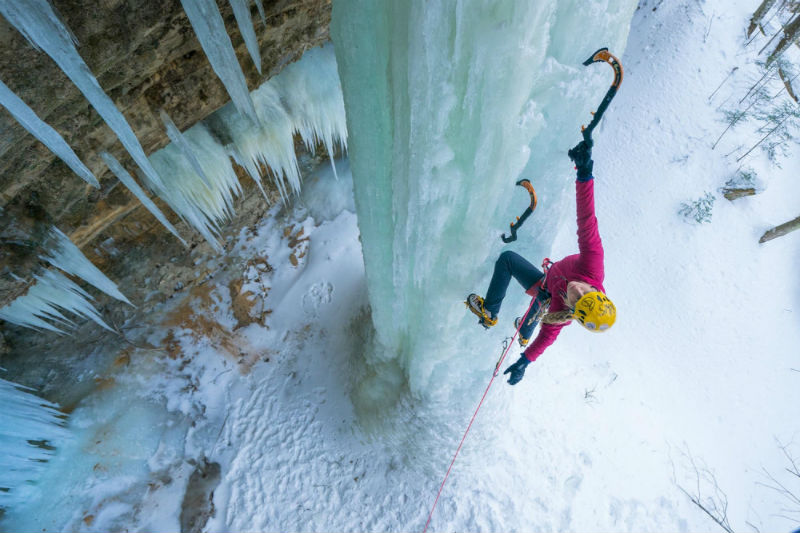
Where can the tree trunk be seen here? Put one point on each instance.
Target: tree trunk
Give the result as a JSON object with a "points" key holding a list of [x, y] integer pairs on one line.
{"points": [[779, 231], [733, 193], [790, 33], [759, 14]]}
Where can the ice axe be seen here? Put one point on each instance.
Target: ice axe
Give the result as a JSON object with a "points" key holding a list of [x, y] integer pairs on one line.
{"points": [[603, 55], [521, 219]]}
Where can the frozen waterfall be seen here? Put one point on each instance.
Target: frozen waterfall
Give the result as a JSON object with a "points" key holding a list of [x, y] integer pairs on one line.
{"points": [[25, 420], [447, 106]]}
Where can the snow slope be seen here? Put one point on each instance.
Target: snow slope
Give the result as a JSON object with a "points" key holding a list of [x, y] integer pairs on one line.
{"points": [[696, 378]]}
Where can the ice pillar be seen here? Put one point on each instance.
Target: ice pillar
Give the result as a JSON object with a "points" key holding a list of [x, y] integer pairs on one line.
{"points": [[446, 102]]}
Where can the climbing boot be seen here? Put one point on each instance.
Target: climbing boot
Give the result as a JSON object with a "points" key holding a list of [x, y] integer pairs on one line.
{"points": [[522, 340], [475, 304]]}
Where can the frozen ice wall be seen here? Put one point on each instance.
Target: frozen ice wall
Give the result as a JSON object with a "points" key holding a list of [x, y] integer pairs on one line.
{"points": [[25, 420], [448, 105]]}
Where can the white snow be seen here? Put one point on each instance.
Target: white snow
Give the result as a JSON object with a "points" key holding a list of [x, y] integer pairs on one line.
{"points": [[698, 376], [210, 30], [36, 20], [45, 133]]}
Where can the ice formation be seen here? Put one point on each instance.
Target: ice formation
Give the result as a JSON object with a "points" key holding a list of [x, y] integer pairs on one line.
{"points": [[36, 20], [241, 11], [445, 105], [25, 418], [313, 95], [68, 257], [305, 98], [39, 307], [179, 140], [132, 186], [46, 134], [260, 6], [204, 207], [210, 30]]}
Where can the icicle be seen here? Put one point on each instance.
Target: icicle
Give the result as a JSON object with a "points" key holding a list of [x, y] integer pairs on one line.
{"points": [[52, 291], [46, 134], [132, 186], [65, 255], [25, 418], [268, 143], [36, 20], [260, 7], [313, 95], [176, 137], [203, 207], [210, 30], [241, 10]]}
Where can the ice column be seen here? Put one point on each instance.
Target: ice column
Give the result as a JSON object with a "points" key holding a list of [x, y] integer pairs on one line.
{"points": [[36, 20], [25, 418], [46, 134], [241, 10], [210, 30], [446, 102]]}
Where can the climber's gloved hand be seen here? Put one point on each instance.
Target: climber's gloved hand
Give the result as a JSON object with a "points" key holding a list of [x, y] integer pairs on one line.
{"points": [[581, 155], [517, 370]]}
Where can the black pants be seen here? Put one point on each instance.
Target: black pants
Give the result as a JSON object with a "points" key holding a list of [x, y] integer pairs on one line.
{"points": [[509, 265]]}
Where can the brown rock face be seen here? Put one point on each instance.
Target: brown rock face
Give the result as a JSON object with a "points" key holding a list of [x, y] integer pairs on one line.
{"points": [[146, 57]]}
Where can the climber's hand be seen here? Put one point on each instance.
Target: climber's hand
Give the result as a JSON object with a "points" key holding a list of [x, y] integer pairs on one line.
{"points": [[581, 155], [517, 370]]}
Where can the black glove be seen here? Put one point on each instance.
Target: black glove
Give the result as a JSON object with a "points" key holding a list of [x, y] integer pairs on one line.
{"points": [[517, 370], [581, 155]]}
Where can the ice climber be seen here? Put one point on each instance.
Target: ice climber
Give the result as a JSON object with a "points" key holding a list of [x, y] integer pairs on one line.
{"points": [[572, 287]]}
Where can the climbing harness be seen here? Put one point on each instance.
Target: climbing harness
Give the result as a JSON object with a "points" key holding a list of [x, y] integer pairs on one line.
{"points": [[525, 214], [603, 55]]}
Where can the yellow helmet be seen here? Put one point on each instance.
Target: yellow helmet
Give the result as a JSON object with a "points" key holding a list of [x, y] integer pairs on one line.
{"points": [[595, 311]]}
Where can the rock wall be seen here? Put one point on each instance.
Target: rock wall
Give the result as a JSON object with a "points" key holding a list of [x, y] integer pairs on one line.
{"points": [[146, 57]]}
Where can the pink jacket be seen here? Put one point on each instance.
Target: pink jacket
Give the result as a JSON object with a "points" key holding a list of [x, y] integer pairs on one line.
{"points": [[584, 266]]}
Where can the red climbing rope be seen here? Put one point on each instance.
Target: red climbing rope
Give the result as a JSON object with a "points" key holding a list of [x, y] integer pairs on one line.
{"points": [[494, 375]]}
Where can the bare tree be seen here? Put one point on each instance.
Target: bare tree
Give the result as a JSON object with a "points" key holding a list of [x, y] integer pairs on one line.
{"points": [[705, 493], [790, 494], [758, 15]]}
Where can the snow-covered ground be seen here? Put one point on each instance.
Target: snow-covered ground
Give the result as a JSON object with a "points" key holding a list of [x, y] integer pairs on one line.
{"points": [[696, 388]]}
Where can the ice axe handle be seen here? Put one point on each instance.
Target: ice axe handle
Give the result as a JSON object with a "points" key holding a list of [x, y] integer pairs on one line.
{"points": [[524, 216]]}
